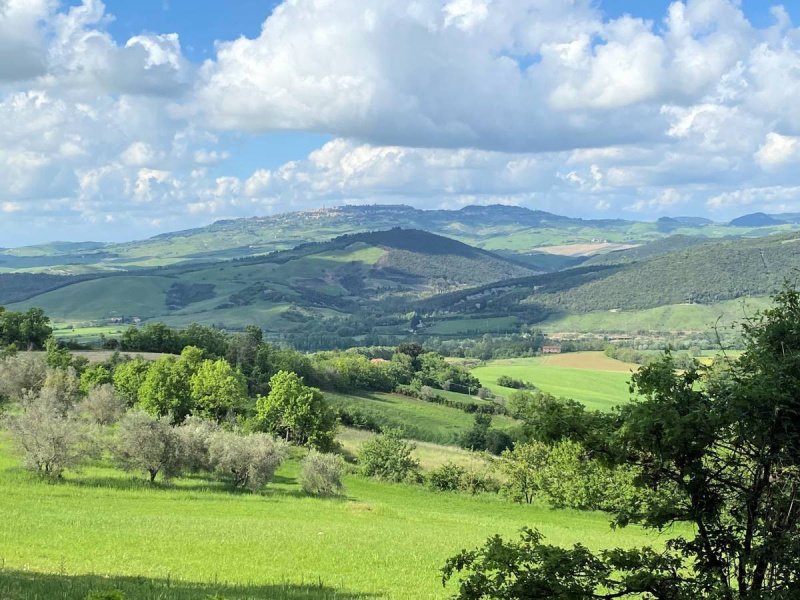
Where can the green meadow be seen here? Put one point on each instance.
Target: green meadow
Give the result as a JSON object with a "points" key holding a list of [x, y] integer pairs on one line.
{"points": [[102, 529], [419, 420], [598, 388]]}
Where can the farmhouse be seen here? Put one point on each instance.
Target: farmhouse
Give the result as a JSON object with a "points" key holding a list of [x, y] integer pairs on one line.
{"points": [[551, 349]]}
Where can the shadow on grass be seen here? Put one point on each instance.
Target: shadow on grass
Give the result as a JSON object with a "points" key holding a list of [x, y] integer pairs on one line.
{"points": [[198, 485], [27, 585]]}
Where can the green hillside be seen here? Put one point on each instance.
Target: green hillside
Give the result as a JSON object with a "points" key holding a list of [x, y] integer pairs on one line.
{"points": [[284, 290]]}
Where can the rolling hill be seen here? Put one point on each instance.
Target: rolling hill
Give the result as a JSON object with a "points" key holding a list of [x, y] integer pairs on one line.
{"points": [[285, 289], [510, 229]]}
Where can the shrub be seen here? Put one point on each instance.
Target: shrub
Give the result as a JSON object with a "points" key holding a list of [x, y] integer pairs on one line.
{"points": [[195, 435], [103, 406], [388, 456], [322, 474], [477, 482], [51, 438], [148, 443], [446, 478], [249, 461], [510, 382]]}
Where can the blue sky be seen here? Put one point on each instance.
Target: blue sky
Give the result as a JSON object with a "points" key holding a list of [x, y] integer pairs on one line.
{"points": [[123, 119]]}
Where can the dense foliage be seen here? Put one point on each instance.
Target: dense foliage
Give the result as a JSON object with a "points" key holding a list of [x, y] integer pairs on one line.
{"points": [[715, 448]]}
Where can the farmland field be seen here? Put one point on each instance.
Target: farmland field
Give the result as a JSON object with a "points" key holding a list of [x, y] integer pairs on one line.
{"points": [[474, 326], [589, 377], [188, 540]]}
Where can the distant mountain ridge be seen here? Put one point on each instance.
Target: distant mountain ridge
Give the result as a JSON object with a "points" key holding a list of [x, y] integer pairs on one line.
{"points": [[501, 228]]}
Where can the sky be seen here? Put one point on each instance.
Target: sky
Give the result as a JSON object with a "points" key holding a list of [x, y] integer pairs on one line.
{"points": [[120, 120]]}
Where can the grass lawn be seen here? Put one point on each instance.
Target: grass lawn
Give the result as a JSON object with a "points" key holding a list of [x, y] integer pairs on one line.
{"points": [[419, 420], [191, 539], [589, 377]]}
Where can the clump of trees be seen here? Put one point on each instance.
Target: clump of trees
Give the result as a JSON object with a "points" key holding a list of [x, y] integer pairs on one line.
{"points": [[714, 447], [23, 330]]}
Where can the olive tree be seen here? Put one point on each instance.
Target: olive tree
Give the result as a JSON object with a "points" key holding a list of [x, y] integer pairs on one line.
{"points": [[248, 461], [49, 434], [148, 443], [321, 474], [102, 405], [195, 434], [21, 373]]}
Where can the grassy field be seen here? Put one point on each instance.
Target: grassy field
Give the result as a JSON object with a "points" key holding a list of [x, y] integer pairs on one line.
{"points": [[474, 326], [418, 419], [590, 377], [676, 317], [191, 539]]}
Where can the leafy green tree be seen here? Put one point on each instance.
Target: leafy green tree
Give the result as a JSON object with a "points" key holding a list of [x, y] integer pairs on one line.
{"points": [[296, 412], [128, 378], [165, 390], [719, 448], [93, 377], [57, 357], [475, 438], [520, 467], [388, 456], [29, 330], [217, 389]]}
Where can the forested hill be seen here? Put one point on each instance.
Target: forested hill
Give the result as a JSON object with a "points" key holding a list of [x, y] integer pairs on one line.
{"points": [[703, 273]]}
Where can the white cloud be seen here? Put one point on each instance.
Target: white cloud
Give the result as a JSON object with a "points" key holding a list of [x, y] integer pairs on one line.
{"points": [[778, 150], [433, 102]]}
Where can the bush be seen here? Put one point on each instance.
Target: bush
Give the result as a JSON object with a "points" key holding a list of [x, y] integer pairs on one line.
{"points": [[148, 443], [388, 456], [510, 382], [103, 406], [476, 482], [446, 478], [322, 474], [249, 461], [451, 477], [50, 436]]}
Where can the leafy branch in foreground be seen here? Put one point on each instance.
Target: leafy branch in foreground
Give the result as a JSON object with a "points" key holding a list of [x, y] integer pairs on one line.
{"points": [[718, 450]]}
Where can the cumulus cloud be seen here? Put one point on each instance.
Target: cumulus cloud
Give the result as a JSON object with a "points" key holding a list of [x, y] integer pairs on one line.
{"points": [[544, 103]]}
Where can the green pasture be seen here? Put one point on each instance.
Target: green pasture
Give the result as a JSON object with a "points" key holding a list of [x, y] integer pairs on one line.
{"points": [[192, 539], [418, 419], [595, 388]]}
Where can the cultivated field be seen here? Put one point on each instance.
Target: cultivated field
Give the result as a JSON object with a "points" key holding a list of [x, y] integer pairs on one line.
{"points": [[590, 377], [192, 539]]}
